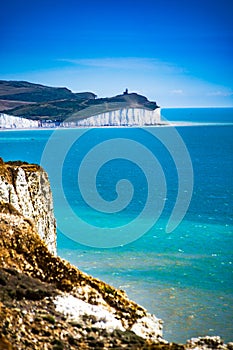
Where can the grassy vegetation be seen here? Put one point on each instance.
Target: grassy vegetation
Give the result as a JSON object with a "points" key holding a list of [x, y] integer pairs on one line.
{"points": [[58, 104]]}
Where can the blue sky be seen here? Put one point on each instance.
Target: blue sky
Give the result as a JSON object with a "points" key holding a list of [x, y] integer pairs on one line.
{"points": [[176, 52]]}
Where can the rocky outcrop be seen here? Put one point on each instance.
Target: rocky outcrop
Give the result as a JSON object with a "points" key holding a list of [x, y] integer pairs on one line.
{"points": [[120, 117], [12, 122], [26, 187], [207, 343]]}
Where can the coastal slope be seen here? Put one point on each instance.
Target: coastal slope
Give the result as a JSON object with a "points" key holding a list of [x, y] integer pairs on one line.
{"points": [[44, 297]]}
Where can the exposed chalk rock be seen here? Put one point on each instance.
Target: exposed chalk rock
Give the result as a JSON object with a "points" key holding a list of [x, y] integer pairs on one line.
{"points": [[27, 188], [75, 309], [120, 117], [207, 343], [12, 122], [148, 326]]}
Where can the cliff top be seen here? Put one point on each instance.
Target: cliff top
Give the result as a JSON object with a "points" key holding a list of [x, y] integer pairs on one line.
{"points": [[35, 101], [19, 163], [8, 169]]}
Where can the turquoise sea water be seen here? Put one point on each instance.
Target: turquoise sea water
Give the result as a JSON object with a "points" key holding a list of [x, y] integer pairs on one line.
{"points": [[183, 277]]}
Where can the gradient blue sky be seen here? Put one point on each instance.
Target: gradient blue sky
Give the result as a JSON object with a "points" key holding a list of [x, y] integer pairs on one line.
{"points": [[176, 52]]}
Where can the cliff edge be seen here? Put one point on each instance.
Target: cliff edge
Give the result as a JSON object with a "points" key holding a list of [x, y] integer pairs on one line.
{"points": [[45, 302]]}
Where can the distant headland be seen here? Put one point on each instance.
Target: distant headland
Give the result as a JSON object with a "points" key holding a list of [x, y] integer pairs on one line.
{"points": [[25, 105]]}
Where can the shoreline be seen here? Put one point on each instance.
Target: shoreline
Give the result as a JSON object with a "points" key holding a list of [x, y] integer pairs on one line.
{"points": [[168, 124]]}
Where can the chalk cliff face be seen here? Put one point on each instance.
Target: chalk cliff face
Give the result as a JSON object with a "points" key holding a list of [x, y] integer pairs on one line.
{"points": [[11, 122], [122, 117], [27, 189]]}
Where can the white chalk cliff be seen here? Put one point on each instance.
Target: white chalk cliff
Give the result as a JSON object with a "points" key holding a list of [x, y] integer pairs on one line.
{"points": [[26, 187], [11, 122], [120, 117]]}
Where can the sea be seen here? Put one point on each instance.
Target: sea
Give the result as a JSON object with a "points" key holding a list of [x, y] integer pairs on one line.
{"points": [[147, 210]]}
